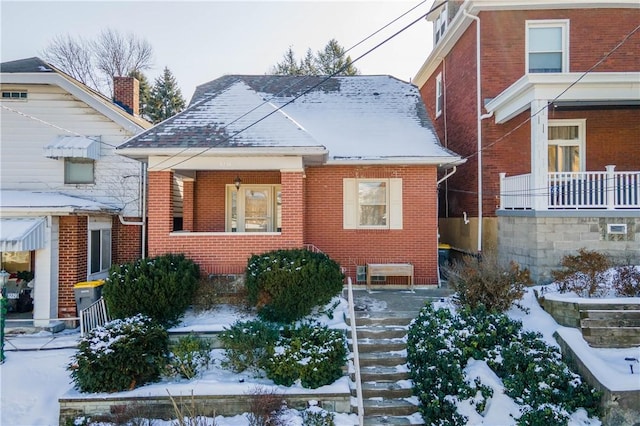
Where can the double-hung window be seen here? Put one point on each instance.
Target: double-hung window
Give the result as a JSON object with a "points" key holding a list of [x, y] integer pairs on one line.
{"points": [[372, 203], [566, 145], [99, 247], [547, 46], [439, 95], [440, 24], [253, 208]]}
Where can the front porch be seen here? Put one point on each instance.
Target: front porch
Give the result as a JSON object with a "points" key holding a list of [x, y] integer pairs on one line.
{"points": [[603, 190]]}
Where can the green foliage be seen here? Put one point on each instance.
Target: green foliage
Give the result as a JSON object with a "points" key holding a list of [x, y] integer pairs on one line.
{"points": [[188, 357], [166, 98], [249, 344], [316, 416], [584, 273], [441, 343], [332, 59], [286, 285], [122, 355], [484, 281], [312, 353], [161, 288], [626, 281]]}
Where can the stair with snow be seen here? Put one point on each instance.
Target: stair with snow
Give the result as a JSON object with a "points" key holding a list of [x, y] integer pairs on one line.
{"points": [[386, 388]]}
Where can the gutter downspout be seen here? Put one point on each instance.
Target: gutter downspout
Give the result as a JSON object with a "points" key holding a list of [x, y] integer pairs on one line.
{"points": [[143, 223], [479, 124]]}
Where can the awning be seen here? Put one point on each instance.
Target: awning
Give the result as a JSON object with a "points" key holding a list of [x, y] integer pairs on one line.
{"points": [[22, 233], [72, 146]]}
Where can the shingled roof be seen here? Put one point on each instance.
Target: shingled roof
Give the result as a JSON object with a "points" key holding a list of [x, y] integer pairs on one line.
{"points": [[353, 118]]}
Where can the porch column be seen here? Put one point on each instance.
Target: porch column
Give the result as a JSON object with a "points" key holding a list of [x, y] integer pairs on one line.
{"points": [[539, 154], [292, 182], [45, 286], [160, 207], [188, 219]]}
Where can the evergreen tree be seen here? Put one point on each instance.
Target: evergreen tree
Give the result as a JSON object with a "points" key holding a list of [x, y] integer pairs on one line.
{"points": [[166, 98], [145, 92], [329, 61], [332, 60]]}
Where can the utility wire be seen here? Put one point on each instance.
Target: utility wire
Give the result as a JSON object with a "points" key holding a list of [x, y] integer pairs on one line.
{"points": [[324, 80], [294, 85]]}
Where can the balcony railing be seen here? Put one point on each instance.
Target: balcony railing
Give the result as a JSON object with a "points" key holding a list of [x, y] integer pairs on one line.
{"points": [[606, 190]]}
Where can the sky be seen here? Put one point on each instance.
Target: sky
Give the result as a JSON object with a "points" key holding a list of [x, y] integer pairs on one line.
{"points": [[200, 41]]}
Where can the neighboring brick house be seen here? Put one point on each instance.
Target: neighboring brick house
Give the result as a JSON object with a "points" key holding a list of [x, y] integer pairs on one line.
{"points": [[555, 106], [63, 190], [347, 165]]}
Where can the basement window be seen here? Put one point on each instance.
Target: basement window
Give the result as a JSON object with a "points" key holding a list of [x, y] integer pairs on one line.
{"points": [[617, 228], [361, 275], [14, 95]]}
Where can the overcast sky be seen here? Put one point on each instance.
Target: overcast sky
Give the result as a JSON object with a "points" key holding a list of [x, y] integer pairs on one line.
{"points": [[203, 40]]}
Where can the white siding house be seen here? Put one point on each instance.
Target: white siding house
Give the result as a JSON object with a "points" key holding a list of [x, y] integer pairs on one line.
{"points": [[57, 142]]}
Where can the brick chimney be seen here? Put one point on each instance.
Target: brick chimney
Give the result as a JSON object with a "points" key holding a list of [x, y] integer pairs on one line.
{"points": [[126, 93]]}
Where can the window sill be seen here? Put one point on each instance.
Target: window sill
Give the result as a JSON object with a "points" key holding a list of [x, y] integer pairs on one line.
{"points": [[225, 234]]}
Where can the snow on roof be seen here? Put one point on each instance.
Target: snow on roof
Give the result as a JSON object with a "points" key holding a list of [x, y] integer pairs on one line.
{"points": [[354, 118], [53, 202]]}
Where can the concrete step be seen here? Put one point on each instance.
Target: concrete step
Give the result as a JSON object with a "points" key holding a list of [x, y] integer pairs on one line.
{"points": [[380, 345], [397, 318], [393, 420], [388, 407], [383, 389], [382, 359], [382, 373], [610, 314], [381, 331], [611, 337], [609, 322]]}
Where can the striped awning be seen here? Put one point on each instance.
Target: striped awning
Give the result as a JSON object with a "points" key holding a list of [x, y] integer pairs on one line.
{"points": [[22, 233], [72, 147]]}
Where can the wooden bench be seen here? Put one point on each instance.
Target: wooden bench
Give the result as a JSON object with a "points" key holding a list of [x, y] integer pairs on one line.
{"points": [[390, 270]]}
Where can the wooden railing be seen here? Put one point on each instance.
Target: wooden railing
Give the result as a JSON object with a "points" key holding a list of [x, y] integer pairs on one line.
{"points": [[606, 190]]}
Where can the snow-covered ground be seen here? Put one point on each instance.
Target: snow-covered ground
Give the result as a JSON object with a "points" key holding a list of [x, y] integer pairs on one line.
{"points": [[32, 381]]}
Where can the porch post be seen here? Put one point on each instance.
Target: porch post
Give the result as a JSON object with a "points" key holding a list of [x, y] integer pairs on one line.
{"points": [[188, 188], [611, 186], [539, 155], [502, 176]]}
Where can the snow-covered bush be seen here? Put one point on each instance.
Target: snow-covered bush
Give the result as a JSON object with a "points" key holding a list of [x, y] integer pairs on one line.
{"points": [[626, 281], [312, 353], [484, 281], [441, 343], [121, 355], [286, 285], [248, 344], [161, 287], [188, 357], [583, 273]]}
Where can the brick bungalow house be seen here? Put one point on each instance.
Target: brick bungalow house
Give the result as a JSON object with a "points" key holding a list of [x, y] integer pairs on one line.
{"points": [[69, 206], [345, 165], [544, 99]]}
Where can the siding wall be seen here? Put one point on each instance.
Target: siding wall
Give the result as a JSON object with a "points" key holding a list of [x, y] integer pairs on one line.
{"points": [[23, 165]]}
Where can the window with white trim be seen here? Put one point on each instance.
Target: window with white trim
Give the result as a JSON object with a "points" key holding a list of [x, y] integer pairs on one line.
{"points": [[99, 256], [78, 171], [547, 46], [14, 95], [253, 208], [372, 203], [440, 24], [566, 142], [439, 95]]}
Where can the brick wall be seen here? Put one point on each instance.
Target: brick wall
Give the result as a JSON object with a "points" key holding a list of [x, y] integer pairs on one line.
{"points": [[611, 134], [72, 261], [125, 240], [312, 212]]}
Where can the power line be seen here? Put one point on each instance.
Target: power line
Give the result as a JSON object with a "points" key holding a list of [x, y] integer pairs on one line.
{"points": [[327, 78]]}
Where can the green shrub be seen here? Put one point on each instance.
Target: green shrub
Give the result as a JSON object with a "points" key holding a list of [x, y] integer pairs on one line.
{"points": [[188, 357], [626, 281], [248, 345], [440, 344], [122, 355], [161, 288], [316, 416], [312, 353], [584, 273], [484, 281], [286, 285]]}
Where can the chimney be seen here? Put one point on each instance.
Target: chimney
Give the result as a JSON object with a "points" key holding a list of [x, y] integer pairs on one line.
{"points": [[126, 93]]}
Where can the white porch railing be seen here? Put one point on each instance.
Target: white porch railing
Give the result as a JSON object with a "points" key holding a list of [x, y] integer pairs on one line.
{"points": [[606, 190], [94, 316]]}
